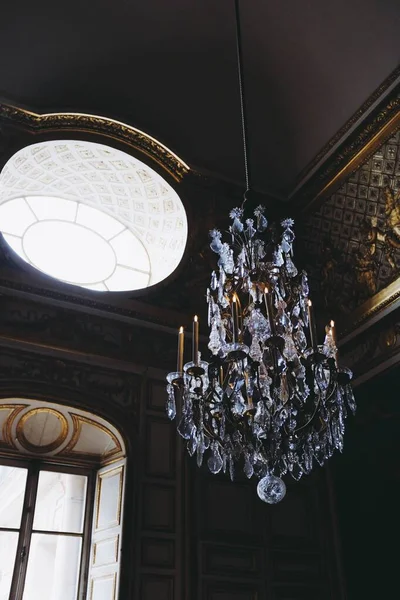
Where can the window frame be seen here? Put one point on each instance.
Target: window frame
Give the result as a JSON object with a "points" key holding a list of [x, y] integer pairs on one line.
{"points": [[25, 530]]}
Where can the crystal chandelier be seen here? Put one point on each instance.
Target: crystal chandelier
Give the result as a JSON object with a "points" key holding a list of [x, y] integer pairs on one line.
{"points": [[270, 400]]}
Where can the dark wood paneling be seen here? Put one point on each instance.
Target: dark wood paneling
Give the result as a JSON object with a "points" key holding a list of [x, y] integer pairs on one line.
{"points": [[296, 566], [158, 553], [158, 508], [160, 448], [226, 507], [217, 590], [156, 396], [156, 588], [299, 593], [294, 520], [220, 559]]}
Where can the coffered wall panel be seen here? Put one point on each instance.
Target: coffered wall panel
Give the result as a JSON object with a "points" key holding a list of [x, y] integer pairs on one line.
{"points": [[160, 561], [282, 551]]}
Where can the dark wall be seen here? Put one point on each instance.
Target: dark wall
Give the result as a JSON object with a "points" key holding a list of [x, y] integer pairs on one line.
{"points": [[367, 478], [187, 534], [201, 536]]}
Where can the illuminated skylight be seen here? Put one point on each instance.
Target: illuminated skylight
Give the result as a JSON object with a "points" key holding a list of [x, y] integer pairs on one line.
{"points": [[92, 216]]}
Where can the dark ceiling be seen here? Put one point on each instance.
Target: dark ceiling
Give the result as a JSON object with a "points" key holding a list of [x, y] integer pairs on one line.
{"points": [[168, 67]]}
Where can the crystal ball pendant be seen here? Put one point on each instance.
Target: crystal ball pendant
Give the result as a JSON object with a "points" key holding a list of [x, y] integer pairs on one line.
{"points": [[271, 489]]}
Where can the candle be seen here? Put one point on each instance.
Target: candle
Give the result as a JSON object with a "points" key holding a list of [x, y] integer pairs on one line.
{"points": [[235, 319], [221, 376], [333, 331], [334, 338], [195, 357], [311, 324], [181, 341]]}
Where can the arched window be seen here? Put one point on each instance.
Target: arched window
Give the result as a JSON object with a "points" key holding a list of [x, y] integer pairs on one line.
{"points": [[62, 474]]}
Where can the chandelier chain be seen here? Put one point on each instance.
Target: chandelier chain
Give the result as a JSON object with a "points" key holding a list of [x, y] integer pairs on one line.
{"points": [[242, 98]]}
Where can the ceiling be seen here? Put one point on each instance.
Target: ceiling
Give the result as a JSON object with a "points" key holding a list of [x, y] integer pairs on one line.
{"points": [[169, 68]]}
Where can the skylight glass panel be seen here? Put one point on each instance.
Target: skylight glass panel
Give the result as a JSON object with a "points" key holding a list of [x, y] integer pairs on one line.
{"points": [[69, 252], [16, 216], [113, 223], [127, 279], [15, 243], [45, 207], [130, 251]]}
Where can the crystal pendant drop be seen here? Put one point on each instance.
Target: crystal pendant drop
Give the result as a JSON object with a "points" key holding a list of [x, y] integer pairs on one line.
{"points": [[271, 489], [170, 404], [215, 462]]}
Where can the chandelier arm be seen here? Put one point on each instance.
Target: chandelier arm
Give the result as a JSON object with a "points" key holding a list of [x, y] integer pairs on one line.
{"points": [[316, 407], [239, 57]]}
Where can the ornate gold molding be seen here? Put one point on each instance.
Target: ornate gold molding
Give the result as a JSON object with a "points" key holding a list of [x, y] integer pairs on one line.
{"points": [[369, 136], [78, 421], [47, 447], [385, 85], [371, 311], [109, 128], [15, 410]]}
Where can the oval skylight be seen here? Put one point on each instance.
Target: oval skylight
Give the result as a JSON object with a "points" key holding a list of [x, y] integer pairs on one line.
{"points": [[92, 216]]}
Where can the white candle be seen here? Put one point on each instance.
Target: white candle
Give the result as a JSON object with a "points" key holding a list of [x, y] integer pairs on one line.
{"points": [[181, 341], [195, 357]]}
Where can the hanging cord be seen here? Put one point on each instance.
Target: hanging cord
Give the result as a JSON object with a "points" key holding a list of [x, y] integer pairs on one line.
{"points": [[242, 100]]}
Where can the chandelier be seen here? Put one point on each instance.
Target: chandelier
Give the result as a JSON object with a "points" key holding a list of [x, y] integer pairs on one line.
{"points": [[270, 400]]}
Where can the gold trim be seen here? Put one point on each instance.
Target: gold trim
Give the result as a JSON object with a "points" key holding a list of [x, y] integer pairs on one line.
{"points": [[354, 119], [78, 420], [106, 475], [7, 426], [382, 301], [85, 123], [360, 157], [108, 576], [115, 539], [48, 447]]}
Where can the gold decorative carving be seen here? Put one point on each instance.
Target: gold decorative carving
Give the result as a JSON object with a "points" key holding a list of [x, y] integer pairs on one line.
{"points": [[387, 235], [384, 301], [48, 447], [365, 271], [136, 139], [7, 427], [352, 121], [387, 339], [353, 155], [78, 421]]}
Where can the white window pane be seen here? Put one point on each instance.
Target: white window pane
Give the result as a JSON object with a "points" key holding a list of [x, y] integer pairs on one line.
{"points": [[8, 549], [15, 243], [130, 251], [100, 287], [46, 207], [100, 222], [60, 502], [15, 216], [69, 252], [53, 567], [12, 491], [126, 279]]}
